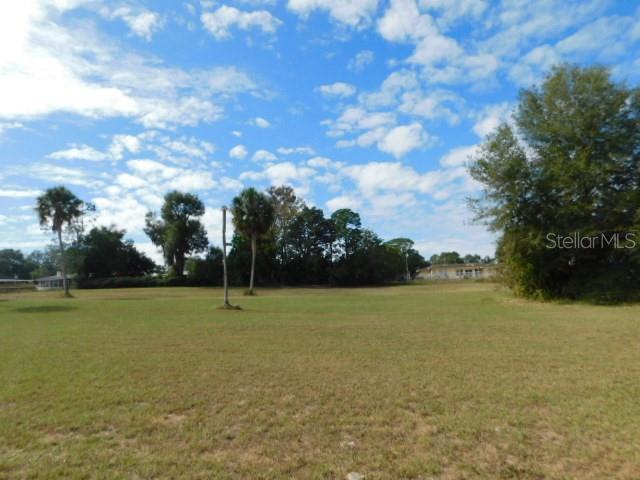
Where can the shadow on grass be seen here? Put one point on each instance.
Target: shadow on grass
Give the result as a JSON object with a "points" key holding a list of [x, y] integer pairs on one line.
{"points": [[45, 309]]}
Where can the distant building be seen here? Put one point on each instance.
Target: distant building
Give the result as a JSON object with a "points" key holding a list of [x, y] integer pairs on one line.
{"points": [[54, 282], [458, 271], [10, 284]]}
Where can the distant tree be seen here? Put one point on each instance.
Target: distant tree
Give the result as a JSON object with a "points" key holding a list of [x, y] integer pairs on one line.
{"points": [[13, 264], [445, 258], [570, 166], [105, 253], [178, 231], [286, 205], [58, 208], [472, 258], [44, 262], [347, 227], [403, 245], [369, 262], [309, 237], [207, 270], [253, 214]]}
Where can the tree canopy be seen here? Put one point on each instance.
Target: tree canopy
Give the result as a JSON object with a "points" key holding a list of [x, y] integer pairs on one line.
{"points": [[567, 167], [178, 231], [58, 208]]}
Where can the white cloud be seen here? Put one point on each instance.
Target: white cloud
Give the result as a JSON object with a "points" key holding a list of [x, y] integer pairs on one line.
{"points": [[264, 156], [362, 59], [531, 67], [296, 151], [491, 117], [458, 156], [79, 152], [441, 57], [281, 173], [52, 173], [220, 21], [6, 126], [344, 201], [236, 133], [374, 179], [451, 11], [260, 122], [338, 89], [239, 152], [402, 21], [354, 13], [401, 140], [46, 69], [15, 193], [124, 143], [142, 23]]}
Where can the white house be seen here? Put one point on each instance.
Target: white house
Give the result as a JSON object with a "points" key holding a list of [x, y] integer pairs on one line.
{"points": [[54, 282], [458, 271]]}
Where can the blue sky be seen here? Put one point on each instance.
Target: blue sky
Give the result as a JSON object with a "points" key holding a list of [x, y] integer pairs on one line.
{"points": [[366, 104]]}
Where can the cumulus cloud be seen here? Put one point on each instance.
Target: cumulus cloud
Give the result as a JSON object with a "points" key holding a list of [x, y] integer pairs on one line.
{"points": [[296, 151], [458, 156], [362, 59], [222, 20], [264, 156], [401, 140], [442, 57], [344, 201], [490, 117], [143, 23], [281, 173], [239, 152], [6, 126], [355, 13], [261, 122], [47, 70], [79, 152], [19, 193], [338, 89]]}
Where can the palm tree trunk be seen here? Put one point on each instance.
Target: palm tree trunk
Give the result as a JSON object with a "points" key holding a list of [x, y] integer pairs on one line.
{"points": [[63, 265], [253, 262]]}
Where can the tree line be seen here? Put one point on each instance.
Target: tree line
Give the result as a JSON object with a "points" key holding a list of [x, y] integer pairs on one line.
{"points": [[278, 240]]}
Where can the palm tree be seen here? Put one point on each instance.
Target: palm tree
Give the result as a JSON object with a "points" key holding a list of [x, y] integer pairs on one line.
{"points": [[56, 207], [252, 217]]}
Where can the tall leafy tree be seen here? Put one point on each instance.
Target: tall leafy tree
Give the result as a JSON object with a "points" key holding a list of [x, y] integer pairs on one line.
{"points": [[346, 224], [14, 264], [253, 215], [178, 230], [105, 253], [309, 238], [58, 208], [568, 167], [286, 205], [403, 246]]}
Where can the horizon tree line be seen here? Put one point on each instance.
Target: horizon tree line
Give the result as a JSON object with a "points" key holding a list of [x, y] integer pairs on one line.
{"points": [[277, 239]]}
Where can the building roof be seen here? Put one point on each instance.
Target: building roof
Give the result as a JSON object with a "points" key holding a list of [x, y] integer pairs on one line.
{"points": [[14, 280], [56, 277], [464, 265]]}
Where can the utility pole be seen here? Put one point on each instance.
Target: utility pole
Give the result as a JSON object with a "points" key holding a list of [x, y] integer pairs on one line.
{"points": [[224, 257]]}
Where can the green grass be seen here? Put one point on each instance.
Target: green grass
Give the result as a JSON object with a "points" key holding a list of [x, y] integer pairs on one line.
{"points": [[428, 381]]}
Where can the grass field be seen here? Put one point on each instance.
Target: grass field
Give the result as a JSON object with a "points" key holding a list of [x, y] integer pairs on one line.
{"points": [[428, 381]]}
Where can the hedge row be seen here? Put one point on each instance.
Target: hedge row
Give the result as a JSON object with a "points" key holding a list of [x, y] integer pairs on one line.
{"points": [[138, 282]]}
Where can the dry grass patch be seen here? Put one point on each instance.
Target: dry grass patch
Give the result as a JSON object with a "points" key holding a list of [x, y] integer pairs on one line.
{"points": [[448, 381]]}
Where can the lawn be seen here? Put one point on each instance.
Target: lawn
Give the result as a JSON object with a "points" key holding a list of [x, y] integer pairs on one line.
{"points": [[427, 381]]}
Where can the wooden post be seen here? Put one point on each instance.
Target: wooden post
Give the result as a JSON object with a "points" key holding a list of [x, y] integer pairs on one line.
{"points": [[224, 256]]}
